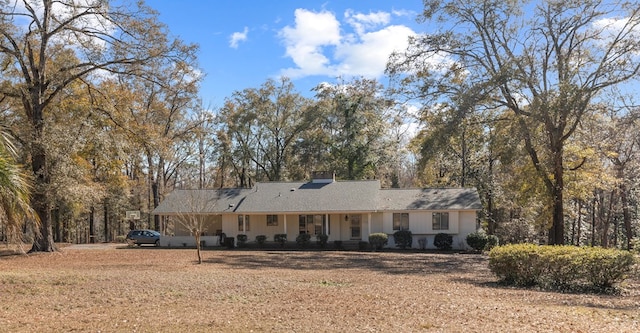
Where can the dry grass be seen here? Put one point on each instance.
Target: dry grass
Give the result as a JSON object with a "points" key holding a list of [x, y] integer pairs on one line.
{"points": [[108, 289]]}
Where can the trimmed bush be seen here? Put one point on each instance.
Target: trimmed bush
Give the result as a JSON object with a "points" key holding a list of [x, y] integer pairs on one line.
{"points": [[378, 240], [242, 240], [516, 264], [605, 267], [337, 244], [322, 240], [303, 240], [280, 239], [477, 240], [443, 241], [261, 239], [403, 239], [560, 267], [363, 246]]}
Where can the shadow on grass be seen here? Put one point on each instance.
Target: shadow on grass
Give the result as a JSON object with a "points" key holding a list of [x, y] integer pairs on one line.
{"points": [[385, 262]]}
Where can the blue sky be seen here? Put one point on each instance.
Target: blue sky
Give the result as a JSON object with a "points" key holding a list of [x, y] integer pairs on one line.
{"points": [[243, 43]]}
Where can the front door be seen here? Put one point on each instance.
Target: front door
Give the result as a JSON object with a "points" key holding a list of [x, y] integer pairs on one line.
{"points": [[356, 226]]}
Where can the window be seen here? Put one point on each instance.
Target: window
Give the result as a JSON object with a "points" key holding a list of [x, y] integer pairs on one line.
{"points": [[440, 221], [272, 220], [243, 223], [311, 224], [400, 221]]}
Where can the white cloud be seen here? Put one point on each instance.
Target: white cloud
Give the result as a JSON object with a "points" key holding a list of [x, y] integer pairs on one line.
{"points": [[318, 46], [305, 41], [363, 22], [238, 37], [368, 56]]}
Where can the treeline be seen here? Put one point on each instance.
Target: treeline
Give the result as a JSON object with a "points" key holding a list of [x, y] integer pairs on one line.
{"points": [[107, 119]]}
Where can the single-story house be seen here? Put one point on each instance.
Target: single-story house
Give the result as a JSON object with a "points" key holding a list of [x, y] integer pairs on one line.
{"points": [[343, 210]]}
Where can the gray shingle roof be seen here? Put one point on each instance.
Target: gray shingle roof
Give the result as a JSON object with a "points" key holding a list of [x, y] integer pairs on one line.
{"points": [[201, 201], [309, 197], [312, 197], [429, 199]]}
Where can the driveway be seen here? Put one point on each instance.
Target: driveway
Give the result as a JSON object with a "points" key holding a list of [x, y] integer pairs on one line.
{"points": [[95, 246]]}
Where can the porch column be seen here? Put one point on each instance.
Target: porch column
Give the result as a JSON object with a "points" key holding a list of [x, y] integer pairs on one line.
{"points": [[326, 225], [244, 224], [285, 223], [368, 225]]}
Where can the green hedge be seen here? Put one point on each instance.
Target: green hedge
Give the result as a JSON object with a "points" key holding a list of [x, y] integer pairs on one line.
{"points": [[378, 240], [443, 241], [261, 239], [477, 240], [303, 240], [242, 240], [280, 239], [560, 267], [322, 240], [403, 238]]}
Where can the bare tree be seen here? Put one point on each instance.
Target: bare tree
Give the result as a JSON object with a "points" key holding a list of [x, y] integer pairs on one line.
{"points": [[546, 63], [47, 45], [195, 213]]}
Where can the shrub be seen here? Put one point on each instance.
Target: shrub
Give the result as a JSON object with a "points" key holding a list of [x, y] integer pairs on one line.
{"points": [[242, 240], [280, 239], [378, 240], [403, 238], [261, 239], [477, 240], [363, 246], [443, 241], [605, 267], [303, 240], [515, 264], [337, 244], [121, 239], [492, 241], [322, 240], [560, 267]]}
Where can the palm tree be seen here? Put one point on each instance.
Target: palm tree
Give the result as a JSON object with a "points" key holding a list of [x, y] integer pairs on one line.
{"points": [[15, 189]]}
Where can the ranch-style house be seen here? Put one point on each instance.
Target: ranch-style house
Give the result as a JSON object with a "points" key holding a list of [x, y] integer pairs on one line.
{"points": [[343, 210]]}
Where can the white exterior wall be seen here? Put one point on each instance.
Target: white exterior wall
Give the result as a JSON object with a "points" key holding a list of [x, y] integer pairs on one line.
{"points": [[377, 222], [468, 225], [187, 241], [461, 223], [211, 225]]}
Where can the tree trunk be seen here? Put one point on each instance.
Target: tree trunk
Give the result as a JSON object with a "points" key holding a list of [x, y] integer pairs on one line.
{"points": [[624, 202], [92, 225], [626, 216], [197, 236], [593, 219], [57, 226], [606, 222], [43, 241], [106, 223], [556, 233]]}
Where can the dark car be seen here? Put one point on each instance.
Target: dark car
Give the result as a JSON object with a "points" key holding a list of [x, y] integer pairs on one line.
{"points": [[139, 237]]}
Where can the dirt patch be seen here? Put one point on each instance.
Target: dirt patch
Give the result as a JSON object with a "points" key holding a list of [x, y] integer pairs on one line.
{"points": [[160, 290]]}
